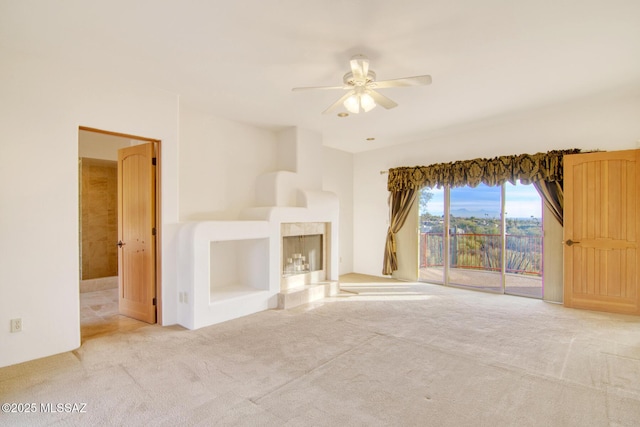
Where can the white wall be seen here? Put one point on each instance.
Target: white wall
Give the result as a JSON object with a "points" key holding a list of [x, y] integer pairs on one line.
{"points": [[43, 103], [553, 273], [338, 179], [370, 212], [606, 121], [220, 161]]}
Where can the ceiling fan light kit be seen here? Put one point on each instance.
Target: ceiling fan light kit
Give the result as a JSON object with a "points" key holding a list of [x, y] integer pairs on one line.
{"points": [[360, 100], [360, 82]]}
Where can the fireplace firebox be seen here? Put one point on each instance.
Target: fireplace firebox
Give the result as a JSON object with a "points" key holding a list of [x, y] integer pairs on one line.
{"points": [[301, 254], [304, 254]]}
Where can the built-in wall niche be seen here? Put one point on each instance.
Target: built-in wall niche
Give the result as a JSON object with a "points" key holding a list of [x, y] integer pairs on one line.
{"points": [[238, 268]]}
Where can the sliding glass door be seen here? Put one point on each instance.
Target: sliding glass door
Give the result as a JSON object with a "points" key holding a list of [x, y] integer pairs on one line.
{"points": [[486, 238], [475, 237]]}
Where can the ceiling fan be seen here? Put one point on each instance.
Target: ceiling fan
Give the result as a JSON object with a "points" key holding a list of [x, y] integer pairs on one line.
{"points": [[360, 83]]}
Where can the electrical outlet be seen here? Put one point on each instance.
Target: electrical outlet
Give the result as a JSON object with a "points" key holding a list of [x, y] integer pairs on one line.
{"points": [[186, 297], [16, 325]]}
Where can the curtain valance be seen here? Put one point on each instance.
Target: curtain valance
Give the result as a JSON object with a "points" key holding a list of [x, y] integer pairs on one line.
{"points": [[527, 168]]}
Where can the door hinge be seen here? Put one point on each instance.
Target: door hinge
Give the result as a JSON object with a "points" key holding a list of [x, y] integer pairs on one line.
{"points": [[153, 231], [153, 161], [154, 301]]}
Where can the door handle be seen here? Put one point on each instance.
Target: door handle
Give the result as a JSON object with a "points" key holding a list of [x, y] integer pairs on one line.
{"points": [[120, 244], [571, 242]]}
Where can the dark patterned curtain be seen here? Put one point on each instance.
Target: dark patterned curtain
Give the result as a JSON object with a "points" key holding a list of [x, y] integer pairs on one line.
{"points": [[527, 168], [553, 196], [543, 170]]}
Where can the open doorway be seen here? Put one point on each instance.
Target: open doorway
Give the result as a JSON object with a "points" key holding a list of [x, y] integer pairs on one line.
{"points": [[100, 299]]}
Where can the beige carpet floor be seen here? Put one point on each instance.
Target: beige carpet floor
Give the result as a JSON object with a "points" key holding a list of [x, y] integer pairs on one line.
{"points": [[381, 353]]}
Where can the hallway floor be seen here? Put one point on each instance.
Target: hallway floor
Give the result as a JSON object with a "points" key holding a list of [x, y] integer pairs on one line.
{"points": [[99, 315], [382, 352]]}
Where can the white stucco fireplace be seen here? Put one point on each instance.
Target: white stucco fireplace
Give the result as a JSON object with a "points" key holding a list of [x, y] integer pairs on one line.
{"points": [[279, 253]]}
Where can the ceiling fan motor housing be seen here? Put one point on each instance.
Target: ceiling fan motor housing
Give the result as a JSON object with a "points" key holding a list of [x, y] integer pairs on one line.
{"points": [[351, 80]]}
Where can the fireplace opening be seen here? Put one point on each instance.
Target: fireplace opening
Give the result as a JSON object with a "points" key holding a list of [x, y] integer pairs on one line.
{"points": [[304, 255], [301, 254]]}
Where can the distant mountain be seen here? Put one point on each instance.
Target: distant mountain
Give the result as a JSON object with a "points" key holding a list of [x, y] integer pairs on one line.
{"points": [[480, 213]]}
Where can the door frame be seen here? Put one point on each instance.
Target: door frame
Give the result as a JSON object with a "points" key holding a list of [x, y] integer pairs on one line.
{"points": [[158, 202]]}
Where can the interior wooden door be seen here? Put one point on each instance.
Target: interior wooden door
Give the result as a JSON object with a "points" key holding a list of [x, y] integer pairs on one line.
{"points": [[601, 223], [136, 232]]}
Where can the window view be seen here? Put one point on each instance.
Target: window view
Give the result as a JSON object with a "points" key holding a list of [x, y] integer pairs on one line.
{"points": [[483, 251], [475, 244], [523, 213]]}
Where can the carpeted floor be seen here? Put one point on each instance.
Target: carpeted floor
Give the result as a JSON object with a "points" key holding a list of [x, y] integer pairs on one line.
{"points": [[381, 353]]}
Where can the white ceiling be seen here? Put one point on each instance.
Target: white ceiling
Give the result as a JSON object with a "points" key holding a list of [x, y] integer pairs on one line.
{"points": [[240, 59]]}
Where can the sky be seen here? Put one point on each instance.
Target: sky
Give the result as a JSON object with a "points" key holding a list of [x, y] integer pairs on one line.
{"points": [[522, 201]]}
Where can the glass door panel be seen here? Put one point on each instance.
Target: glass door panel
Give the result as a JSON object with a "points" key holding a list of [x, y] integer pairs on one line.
{"points": [[475, 237], [432, 226], [523, 256]]}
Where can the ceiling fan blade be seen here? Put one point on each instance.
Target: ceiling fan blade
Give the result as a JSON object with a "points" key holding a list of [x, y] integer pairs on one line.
{"points": [[382, 100], [403, 82], [359, 66], [339, 102], [296, 89]]}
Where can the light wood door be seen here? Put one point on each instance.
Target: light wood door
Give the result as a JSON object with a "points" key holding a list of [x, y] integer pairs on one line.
{"points": [[136, 233], [601, 224]]}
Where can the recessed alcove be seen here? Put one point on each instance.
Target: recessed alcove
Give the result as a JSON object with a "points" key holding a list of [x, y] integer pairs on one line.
{"points": [[227, 270], [238, 268]]}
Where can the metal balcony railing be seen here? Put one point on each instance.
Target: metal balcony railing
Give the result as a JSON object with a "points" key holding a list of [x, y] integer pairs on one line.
{"points": [[483, 252]]}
